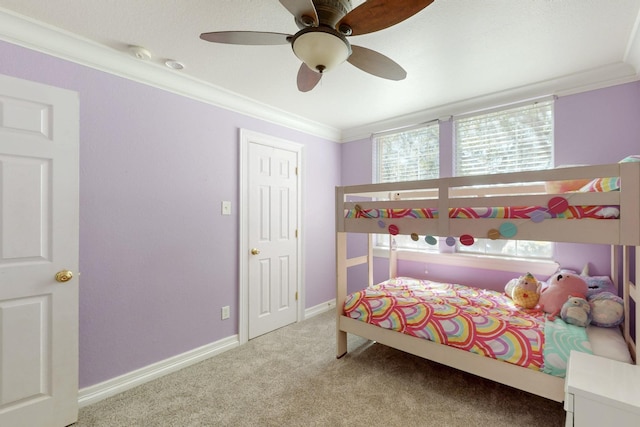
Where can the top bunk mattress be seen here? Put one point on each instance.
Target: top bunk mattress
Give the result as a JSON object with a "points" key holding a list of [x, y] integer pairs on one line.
{"points": [[517, 212]]}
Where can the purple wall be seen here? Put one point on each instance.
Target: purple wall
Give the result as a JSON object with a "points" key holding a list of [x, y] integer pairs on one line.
{"points": [[157, 258], [596, 127], [599, 126], [158, 261], [322, 177]]}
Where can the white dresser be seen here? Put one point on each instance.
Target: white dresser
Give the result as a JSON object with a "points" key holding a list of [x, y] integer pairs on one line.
{"points": [[601, 392]]}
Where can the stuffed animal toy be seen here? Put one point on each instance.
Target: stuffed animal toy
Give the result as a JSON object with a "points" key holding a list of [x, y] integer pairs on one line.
{"points": [[576, 311], [524, 291], [561, 287], [607, 309]]}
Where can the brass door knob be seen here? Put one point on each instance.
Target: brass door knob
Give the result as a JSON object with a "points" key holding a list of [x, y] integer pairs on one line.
{"points": [[255, 251], [64, 276]]}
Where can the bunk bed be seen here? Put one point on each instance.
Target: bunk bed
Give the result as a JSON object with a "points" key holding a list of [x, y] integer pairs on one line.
{"points": [[519, 206]]}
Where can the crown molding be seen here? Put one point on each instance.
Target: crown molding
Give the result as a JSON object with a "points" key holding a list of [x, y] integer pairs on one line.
{"points": [[35, 35], [628, 70], [597, 78], [632, 54]]}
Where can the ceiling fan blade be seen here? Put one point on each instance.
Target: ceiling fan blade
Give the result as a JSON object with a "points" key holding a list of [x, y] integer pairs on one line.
{"points": [[374, 15], [246, 37], [300, 8], [375, 63], [307, 78]]}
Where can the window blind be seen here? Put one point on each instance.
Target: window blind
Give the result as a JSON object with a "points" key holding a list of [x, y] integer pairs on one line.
{"points": [[512, 140], [407, 155]]}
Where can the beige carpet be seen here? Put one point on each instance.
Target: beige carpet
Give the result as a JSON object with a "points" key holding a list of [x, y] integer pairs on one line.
{"points": [[291, 377]]}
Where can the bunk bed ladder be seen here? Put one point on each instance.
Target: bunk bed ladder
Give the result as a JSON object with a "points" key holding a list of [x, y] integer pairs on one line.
{"points": [[343, 263]]}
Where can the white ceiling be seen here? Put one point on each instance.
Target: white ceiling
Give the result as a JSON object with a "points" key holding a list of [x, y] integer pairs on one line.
{"points": [[454, 51]]}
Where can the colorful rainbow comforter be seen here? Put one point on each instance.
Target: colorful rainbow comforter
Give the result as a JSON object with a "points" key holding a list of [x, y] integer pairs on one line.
{"points": [[477, 320]]}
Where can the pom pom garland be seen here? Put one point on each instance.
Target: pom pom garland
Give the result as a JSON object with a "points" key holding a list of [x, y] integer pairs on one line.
{"points": [[507, 229]]}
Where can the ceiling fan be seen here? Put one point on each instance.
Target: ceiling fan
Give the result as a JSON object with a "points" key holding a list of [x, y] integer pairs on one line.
{"points": [[321, 43]]}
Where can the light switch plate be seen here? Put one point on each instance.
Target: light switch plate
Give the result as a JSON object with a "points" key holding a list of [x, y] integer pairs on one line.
{"points": [[226, 207], [225, 312]]}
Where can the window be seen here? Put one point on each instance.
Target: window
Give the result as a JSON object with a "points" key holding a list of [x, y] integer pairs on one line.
{"points": [[407, 155], [513, 140], [506, 140]]}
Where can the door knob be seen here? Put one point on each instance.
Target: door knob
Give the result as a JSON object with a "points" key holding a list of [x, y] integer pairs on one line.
{"points": [[255, 251], [64, 276]]}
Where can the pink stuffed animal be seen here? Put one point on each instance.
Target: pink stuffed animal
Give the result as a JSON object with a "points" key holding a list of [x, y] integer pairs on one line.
{"points": [[561, 287]]}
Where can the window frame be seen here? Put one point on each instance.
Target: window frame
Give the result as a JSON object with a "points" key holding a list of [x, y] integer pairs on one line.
{"points": [[379, 239], [442, 253], [512, 133], [377, 156]]}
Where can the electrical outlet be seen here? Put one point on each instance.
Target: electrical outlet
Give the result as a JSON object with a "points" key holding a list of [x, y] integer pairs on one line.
{"points": [[225, 312], [226, 208]]}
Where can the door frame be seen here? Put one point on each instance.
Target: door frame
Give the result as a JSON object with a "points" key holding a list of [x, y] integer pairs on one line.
{"points": [[247, 137]]}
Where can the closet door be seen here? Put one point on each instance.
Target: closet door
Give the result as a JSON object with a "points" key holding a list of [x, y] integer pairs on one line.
{"points": [[272, 232]]}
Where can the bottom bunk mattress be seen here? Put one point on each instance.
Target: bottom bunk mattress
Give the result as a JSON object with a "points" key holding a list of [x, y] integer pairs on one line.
{"points": [[477, 320]]}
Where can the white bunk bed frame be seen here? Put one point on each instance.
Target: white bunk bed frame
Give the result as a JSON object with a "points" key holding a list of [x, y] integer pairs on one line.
{"points": [[514, 189]]}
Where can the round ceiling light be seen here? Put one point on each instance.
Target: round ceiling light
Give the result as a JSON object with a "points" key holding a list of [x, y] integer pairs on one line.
{"points": [[173, 64]]}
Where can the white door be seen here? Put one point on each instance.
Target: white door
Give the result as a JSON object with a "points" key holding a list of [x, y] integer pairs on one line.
{"points": [[38, 239], [272, 233]]}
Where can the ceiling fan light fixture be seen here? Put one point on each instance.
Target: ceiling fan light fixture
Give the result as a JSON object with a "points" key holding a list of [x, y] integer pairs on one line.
{"points": [[321, 48]]}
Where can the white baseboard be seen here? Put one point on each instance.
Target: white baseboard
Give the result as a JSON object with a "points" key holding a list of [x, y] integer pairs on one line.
{"points": [[319, 309], [103, 390], [98, 392]]}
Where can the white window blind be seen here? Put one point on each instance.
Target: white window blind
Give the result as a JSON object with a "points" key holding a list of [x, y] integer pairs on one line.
{"points": [[407, 155], [513, 140]]}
